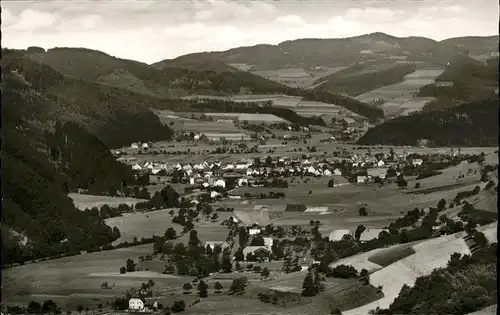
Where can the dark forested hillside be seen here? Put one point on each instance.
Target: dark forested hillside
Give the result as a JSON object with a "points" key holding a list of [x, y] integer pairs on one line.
{"points": [[466, 285], [116, 116], [471, 81], [168, 80], [38, 218], [471, 124]]}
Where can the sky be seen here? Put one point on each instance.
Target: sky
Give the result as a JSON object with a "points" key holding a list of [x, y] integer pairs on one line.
{"points": [[150, 31]]}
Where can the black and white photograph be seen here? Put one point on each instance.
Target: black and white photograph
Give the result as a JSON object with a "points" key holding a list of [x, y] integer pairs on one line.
{"points": [[284, 157]]}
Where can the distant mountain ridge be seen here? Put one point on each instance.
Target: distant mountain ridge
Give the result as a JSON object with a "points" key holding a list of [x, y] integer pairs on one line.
{"points": [[312, 52]]}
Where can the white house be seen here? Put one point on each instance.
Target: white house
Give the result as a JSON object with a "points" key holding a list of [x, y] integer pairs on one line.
{"points": [[337, 172], [134, 146], [136, 167], [381, 163], [361, 178], [220, 183], [191, 180], [213, 244], [417, 162], [254, 231], [327, 172], [145, 146], [214, 194], [268, 241], [242, 181], [135, 304]]}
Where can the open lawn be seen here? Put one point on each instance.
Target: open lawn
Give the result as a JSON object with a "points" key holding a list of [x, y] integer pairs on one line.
{"points": [[83, 201]]}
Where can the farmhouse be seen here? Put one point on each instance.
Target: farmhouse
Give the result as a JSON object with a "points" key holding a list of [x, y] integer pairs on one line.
{"points": [[268, 241], [259, 251], [348, 121], [214, 244], [417, 162], [254, 231], [361, 178], [377, 172], [135, 304], [220, 183]]}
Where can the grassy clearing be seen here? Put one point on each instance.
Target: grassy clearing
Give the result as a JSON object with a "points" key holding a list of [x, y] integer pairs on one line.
{"points": [[83, 202]]}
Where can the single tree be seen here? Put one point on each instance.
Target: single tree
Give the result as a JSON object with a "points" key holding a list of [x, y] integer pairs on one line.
{"points": [[441, 204], [202, 289], [226, 265], [50, 307], [218, 287], [365, 275], [308, 285], [238, 255], [178, 306], [265, 272], [130, 265], [359, 230], [170, 234], [363, 212], [79, 309], [187, 287], [34, 308]]}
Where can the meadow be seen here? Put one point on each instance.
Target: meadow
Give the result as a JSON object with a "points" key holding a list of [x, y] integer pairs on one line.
{"points": [[70, 281], [83, 201]]}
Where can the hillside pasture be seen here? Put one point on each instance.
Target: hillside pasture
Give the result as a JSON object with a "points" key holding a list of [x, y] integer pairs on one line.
{"points": [[142, 224], [83, 201], [293, 77], [400, 98], [151, 223], [70, 281]]}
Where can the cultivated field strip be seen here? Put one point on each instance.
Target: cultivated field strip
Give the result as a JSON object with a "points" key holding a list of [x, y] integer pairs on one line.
{"points": [[431, 254]]}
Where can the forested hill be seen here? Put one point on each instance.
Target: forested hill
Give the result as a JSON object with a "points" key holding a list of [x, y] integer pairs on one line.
{"points": [[116, 116], [41, 164], [120, 83], [471, 124], [38, 218]]}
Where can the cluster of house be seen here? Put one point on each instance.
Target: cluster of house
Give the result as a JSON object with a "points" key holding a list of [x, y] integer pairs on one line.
{"points": [[216, 173], [261, 252], [374, 167]]}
